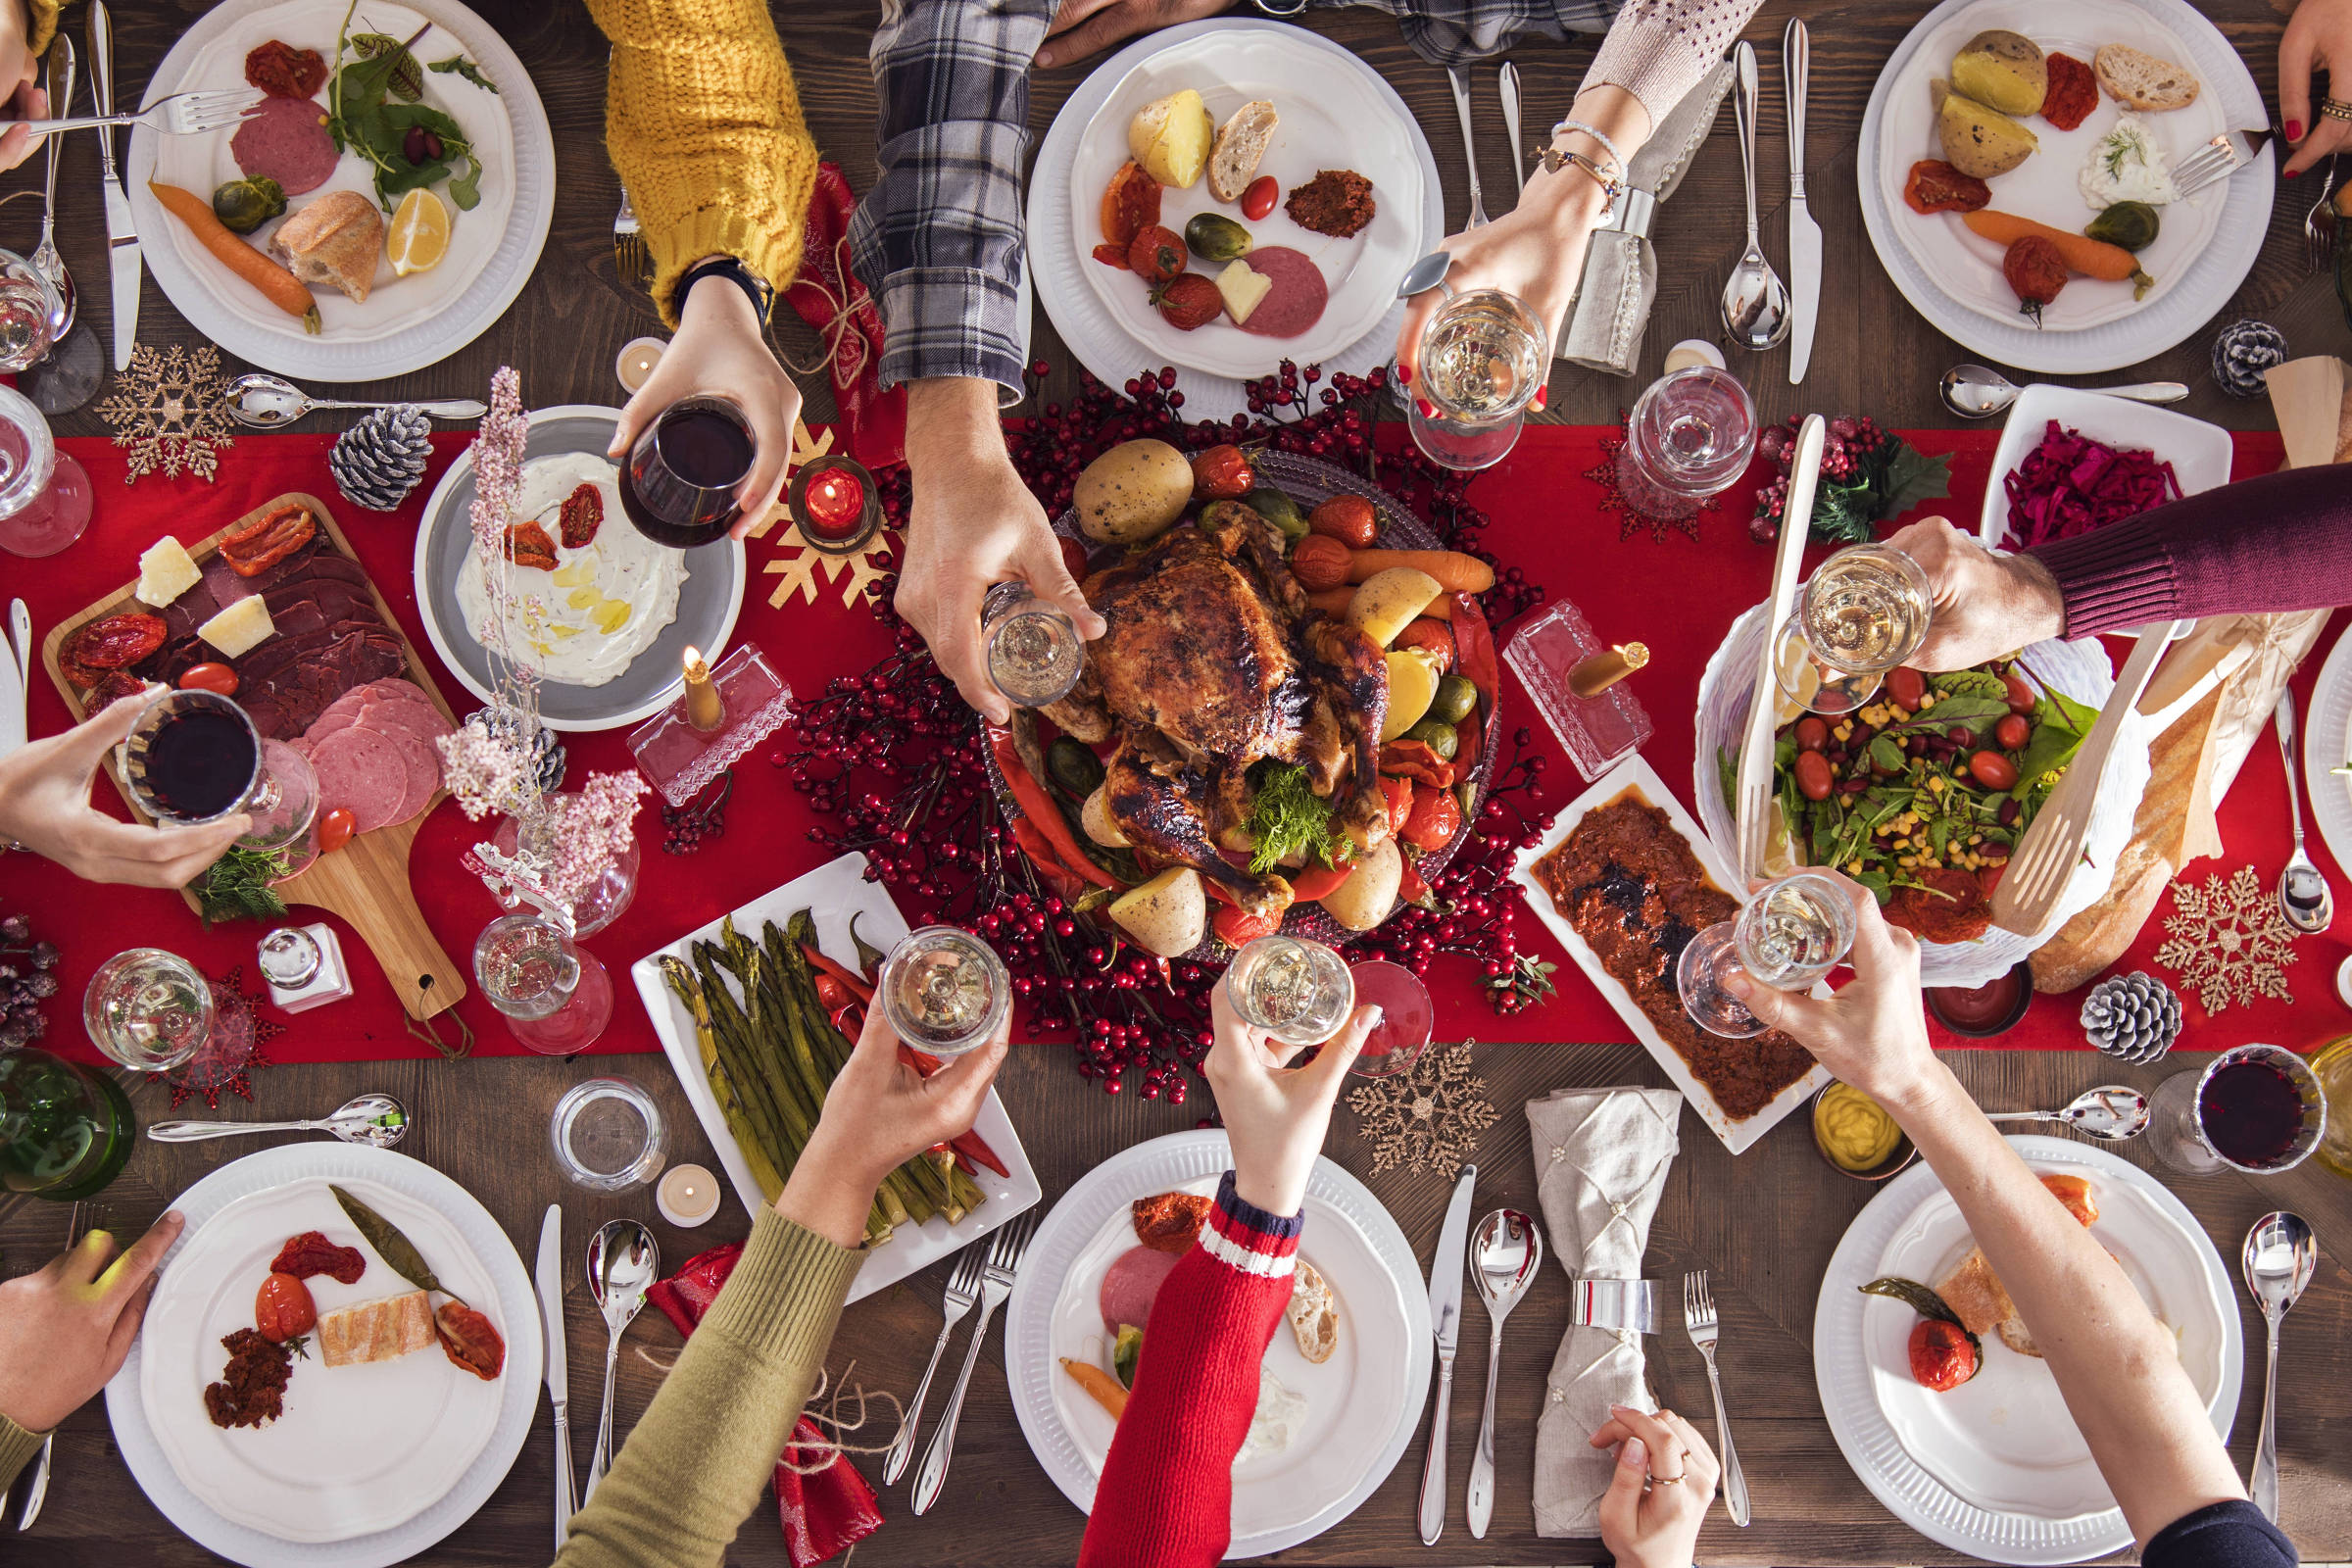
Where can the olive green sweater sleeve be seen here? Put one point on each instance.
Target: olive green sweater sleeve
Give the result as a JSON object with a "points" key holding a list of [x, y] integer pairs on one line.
{"points": [[17, 1445], [694, 1467]]}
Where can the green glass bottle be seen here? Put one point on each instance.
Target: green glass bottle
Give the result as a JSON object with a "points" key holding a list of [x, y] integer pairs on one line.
{"points": [[64, 1130]]}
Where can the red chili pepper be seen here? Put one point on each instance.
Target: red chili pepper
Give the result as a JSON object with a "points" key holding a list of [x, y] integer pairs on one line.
{"points": [[1412, 889], [1469, 735], [831, 994], [922, 1062], [826, 1513], [970, 1143], [1474, 648], [1039, 812], [1416, 760], [1316, 880], [1398, 795], [827, 969], [848, 1019]]}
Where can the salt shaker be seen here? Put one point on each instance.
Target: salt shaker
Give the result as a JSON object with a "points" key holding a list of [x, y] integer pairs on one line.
{"points": [[304, 966]]}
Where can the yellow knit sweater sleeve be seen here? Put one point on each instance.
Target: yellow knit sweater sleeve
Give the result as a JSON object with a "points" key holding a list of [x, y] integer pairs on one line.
{"points": [[703, 125], [43, 16]]}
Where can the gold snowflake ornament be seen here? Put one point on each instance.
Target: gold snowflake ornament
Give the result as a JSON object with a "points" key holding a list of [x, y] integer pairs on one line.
{"points": [[2228, 942], [1427, 1118], [171, 409]]}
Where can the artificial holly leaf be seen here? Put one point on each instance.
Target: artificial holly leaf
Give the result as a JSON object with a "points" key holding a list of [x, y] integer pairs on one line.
{"points": [[1913, 477]]}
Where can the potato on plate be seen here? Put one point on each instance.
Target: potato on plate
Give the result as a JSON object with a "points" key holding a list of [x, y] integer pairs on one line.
{"points": [[1171, 137], [1133, 492], [2003, 71], [1365, 898], [1978, 139], [1386, 602], [1168, 914]]}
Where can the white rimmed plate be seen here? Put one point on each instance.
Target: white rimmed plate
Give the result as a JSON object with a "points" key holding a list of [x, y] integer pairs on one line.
{"points": [[1739, 1134], [2326, 746], [434, 1442], [1361, 1415], [2199, 453], [405, 323], [2036, 1513], [835, 893]]}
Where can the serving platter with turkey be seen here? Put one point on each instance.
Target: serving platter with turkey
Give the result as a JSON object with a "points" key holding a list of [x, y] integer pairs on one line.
{"points": [[1290, 721]]}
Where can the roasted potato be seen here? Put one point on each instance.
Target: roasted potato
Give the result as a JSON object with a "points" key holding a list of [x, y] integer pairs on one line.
{"points": [[1365, 898], [1168, 914], [1171, 136], [1094, 817], [1386, 602], [1133, 492], [1978, 140], [1413, 687], [2003, 71]]}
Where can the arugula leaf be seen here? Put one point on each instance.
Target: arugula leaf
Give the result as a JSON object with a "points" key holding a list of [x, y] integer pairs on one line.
{"points": [[1288, 818], [458, 64]]}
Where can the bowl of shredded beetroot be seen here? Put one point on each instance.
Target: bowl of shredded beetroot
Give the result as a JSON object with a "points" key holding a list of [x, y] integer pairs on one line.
{"points": [[2071, 484]]}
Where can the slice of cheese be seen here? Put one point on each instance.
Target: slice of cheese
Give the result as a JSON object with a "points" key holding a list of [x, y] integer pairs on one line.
{"points": [[240, 628], [1243, 290], [164, 574]]}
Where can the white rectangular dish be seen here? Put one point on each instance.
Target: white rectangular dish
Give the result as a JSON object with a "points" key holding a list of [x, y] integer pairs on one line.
{"points": [[834, 894], [1637, 776], [2199, 452]]}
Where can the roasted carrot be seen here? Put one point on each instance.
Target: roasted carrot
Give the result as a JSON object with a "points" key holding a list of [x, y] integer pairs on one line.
{"points": [[2092, 258], [1457, 572], [1099, 1382], [281, 287], [1332, 602]]}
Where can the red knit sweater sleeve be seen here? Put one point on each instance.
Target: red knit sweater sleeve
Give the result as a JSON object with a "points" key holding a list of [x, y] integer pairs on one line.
{"points": [[1165, 1500]]}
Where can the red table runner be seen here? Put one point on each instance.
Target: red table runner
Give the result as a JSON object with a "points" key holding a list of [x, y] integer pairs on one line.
{"points": [[1546, 519]]}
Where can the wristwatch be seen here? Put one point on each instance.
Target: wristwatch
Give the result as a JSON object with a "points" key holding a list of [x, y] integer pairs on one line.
{"points": [[758, 289], [1281, 8]]}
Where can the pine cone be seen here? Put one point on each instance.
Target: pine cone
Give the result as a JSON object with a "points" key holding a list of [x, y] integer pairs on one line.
{"points": [[2242, 351], [2133, 1019], [551, 758], [378, 460]]}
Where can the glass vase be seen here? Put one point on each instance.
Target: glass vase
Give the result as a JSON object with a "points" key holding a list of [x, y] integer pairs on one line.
{"points": [[605, 900], [556, 997]]}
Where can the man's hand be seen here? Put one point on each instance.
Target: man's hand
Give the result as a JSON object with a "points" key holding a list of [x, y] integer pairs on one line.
{"points": [[721, 351], [2318, 37], [1275, 1116], [65, 1329], [45, 805], [1082, 26], [1986, 604], [974, 524]]}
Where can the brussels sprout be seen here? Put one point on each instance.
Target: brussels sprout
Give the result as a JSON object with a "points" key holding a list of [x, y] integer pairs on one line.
{"points": [[1437, 735], [245, 205], [1455, 700], [1279, 509], [2130, 224], [1214, 237], [1074, 767]]}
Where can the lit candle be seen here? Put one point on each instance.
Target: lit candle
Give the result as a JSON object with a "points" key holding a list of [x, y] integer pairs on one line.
{"points": [[1601, 671], [638, 356], [687, 1195], [706, 709], [835, 502]]}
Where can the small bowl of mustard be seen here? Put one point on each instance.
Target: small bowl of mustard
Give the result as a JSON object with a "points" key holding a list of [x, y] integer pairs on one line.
{"points": [[1856, 1137]]}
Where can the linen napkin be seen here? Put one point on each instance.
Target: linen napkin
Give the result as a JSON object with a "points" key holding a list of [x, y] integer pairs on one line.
{"points": [[1620, 280], [1601, 1157]]}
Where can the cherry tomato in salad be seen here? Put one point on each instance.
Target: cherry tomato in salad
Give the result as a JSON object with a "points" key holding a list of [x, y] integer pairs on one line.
{"points": [[1993, 770], [2021, 695], [1906, 686], [1941, 1358], [283, 1308], [2013, 732], [335, 829], [213, 677], [1258, 200], [1814, 779], [1812, 734]]}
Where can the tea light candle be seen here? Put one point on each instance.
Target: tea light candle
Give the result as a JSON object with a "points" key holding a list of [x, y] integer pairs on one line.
{"points": [[706, 709], [638, 356], [833, 502], [687, 1195], [1693, 351]]}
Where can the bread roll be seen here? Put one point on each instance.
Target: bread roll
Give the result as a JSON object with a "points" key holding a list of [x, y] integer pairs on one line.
{"points": [[2139, 81], [335, 239], [1314, 1313], [1241, 143]]}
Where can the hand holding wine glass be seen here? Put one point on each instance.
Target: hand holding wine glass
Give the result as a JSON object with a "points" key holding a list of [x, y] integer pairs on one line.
{"points": [[65, 1329], [45, 806], [1275, 1115]]}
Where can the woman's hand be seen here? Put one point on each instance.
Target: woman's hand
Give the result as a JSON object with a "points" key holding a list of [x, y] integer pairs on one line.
{"points": [[2318, 37], [721, 351], [45, 806], [1987, 602], [65, 1329], [1275, 1116], [19, 68], [1665, 1481]]}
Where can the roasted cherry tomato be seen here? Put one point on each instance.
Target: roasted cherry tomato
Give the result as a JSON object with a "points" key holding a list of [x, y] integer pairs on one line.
{"points": [[1258, 200], [335, 829], [1222, 473], [1156, 254], [1431, 637], [1993, 770], [1812, 734], [1239, 927], [282, 1308], [1188, 302], [1941, 1358], [1349, 519], [1814, 778], [1906, 686], [1320, 562], [2013, 732], [2021, 694], [210, 678], [1437, 816]]}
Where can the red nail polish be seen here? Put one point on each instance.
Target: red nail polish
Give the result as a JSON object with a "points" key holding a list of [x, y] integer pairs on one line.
{"points": [[2294, 131], [1429, 410], [1404, 374], [1541, 393]]}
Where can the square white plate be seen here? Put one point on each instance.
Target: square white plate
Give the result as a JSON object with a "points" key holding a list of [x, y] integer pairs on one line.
{"points": [[834, 894], [2199, 452]]}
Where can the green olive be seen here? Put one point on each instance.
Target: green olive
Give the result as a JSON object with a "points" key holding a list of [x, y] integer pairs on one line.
{"points": [[2130, 224], [1437, 735], [1214, 237], [1455, 698], [1074, 767], [245, 205], [1279, 509]]}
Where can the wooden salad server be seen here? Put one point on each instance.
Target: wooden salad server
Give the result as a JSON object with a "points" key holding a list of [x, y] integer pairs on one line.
{"points": [[1751, 809]]}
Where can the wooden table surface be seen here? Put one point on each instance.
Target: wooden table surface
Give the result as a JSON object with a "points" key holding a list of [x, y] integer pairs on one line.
{"points": [[1766, 1230]]}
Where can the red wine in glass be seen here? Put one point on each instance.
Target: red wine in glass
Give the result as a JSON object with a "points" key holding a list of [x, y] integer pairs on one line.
{"points": [[678, 485], [194, 760], [2251, 1112]]}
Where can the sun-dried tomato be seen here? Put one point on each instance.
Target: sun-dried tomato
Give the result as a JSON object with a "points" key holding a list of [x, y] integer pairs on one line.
{"points": [[470, 1342], [269, 539], [282, 70], [111, 686], [527, 545], [583, 515], [2073, 92], [1416, 760], [312, 1252], [1130, 205], [116, 642], [1936, 187]]}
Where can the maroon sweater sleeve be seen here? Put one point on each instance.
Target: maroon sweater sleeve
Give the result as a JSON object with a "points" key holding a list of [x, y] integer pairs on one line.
{"points": [[1165, 1500], [2280, 542]]}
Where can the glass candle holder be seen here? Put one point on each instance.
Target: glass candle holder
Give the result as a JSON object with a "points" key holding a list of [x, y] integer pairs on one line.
{"points": [[1299, 992], [1599, 731], [834, 501], [944, 991], [1793, 932], [148, 1009], [1688, 440], [556, 995], [607, 1134], [679, 758], [1484, 357], [2257, 1109]]}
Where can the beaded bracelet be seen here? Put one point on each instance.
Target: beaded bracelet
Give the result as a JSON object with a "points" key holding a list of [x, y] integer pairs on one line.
{"points": [[1597, 134]]}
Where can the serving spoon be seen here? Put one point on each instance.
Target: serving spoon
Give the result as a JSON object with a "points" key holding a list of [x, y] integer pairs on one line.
{"points": [[2279, 1256], [1755, 302], [377, 1121], [1505, 1256], [263, 402], [2111, 1113], [622, 1261], [1979, 391]]}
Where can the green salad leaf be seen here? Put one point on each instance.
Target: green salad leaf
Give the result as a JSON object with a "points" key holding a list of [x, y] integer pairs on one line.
{"points": [[372, 105]]}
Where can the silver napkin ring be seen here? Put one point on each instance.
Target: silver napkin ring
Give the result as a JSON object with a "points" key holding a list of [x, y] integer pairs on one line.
{"points": [[1625, 1306]]}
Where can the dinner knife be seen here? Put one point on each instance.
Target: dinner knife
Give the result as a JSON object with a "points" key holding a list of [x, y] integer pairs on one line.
{"points": [[1751, 807], [1804, 234], [550, 1272], [122, 234], [1445, 1322], [1509, 78]]}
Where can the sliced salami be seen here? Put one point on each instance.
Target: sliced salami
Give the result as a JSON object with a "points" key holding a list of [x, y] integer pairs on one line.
{"points": [[360, 771], [410, 718], [286, 139], [1296, 300], [420, 771], [1128, 1287]]}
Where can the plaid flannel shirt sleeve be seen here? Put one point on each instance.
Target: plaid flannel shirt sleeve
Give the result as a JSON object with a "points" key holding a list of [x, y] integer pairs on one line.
{"points": [[938, 239], [1455, 33]]}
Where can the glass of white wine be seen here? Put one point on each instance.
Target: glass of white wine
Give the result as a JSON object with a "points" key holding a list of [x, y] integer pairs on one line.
{"points": [[1793, 932], [1035, 654], [1862, 612], [1299, 992], [1484, 357], [944, 991]]}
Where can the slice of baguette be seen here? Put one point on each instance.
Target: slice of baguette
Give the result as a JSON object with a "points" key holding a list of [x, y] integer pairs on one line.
{"points": [[1241, 142], [1314, 1313], [2139, 81]]}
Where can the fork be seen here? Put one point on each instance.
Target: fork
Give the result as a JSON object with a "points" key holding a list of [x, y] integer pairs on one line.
{"points": [[2319, 224], [1461, 107], [1699, 1317], [964, 1289], [184, 114], [1003, 1257], [36, 1490], [630, 257]]}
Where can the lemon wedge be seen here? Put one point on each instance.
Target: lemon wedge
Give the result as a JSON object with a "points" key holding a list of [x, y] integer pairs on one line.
{"points": [[1798, 670], [419, 236]]}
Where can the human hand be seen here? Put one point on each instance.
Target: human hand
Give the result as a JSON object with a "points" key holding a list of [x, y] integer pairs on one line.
{"points": [[65, 1327], [721, 351], [1650, 1518], [45, 806], [1987, 603], [1275, 1115], [1082, 27], [2318, 37], [19, 68]]}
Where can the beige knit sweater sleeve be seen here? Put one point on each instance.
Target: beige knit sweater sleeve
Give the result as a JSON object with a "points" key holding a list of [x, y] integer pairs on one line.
{"points": [[1658, 49]]}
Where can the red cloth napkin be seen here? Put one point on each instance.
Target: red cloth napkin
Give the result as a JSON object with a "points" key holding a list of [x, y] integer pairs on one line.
{"points": [[829, 298]]}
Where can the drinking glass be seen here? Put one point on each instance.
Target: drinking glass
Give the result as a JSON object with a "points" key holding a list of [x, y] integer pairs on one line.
{"points": [[1034, 651], [44, 494], [679, 484], [194, 757], [2331, 1065], [607, 1134], [1863, 611], [1299, 992], [1688, 440], [29, 303], [2257, 1109], [64, 1130], [556, 997], [944, 991], [148, 1009], [602, 903], [1793, 932], [1484, 357], [1407, 1017]]}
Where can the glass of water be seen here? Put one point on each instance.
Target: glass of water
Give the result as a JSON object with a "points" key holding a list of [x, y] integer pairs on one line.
{"points": [[1034, 650], [1863, 611], [1688, 440], [44, 494], [556, 995], [607, 1134], [1299, 992], [1790, 935], [148, 1009], [944, 991], [1484, 357]]}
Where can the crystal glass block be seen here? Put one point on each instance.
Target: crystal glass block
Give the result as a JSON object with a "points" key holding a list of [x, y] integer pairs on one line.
{"points": [[1597, 732]]}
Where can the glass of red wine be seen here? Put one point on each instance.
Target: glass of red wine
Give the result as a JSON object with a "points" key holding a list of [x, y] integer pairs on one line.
{"points": [[195, 757], [1407, 1017], [2257, 1109], [679, 484]]}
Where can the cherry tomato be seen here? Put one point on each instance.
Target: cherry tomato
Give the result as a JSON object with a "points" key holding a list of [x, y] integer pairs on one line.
{"points": [[1157, 254], [1431, 637], [2021, 695], [1349, 519], [1437, 816], [1941, 1357], [1237, 927], [1814, 779], [1258, 200], [1906, 686], [210, 678], [283, 1308], [1222, 473], [2013, 732], [335, 829], [1812, 734], [1993, 770]]}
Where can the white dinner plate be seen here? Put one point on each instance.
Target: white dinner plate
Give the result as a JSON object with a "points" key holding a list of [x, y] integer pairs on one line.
{"points": [[835, 893], [1362, 1405], [2206, 245], [1998, 1467], [2327, 746], [2200, 453], [369, 1464], [405, 323]]}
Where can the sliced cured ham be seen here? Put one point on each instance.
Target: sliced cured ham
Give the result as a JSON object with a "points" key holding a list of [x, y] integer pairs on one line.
{"points": [[376, 1331], [1131, 1284]]}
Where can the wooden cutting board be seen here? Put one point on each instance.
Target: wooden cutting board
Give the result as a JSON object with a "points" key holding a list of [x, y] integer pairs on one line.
{"points": [[367, 881]]}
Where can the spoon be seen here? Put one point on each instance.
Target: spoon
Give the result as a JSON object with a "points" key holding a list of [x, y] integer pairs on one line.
{"points": [[46, 261], [1979, 391], [1505, 1253], [622, 1261], [377, 1121], [2110, 1113], [267, 402], [2305, 901], [2280, 1254], [1755, 302]]}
